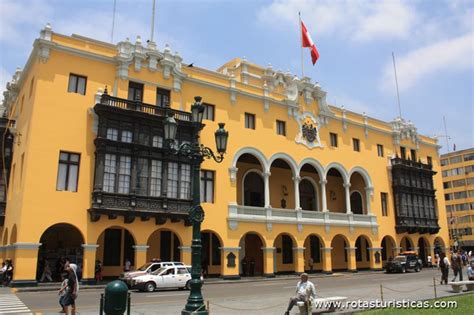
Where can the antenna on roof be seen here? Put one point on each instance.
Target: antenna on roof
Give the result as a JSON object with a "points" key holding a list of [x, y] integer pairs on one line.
{"points": [[152, 21], [113, 23], [396, 82]]}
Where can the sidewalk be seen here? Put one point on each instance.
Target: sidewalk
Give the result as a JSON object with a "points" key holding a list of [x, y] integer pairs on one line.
{"points": [[53, 286]]}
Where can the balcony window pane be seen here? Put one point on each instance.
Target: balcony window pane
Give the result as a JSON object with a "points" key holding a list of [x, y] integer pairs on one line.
{"points": [[172, 180], [124, 175], [142, 177], [72, 180], [155, 180], [185, 182], [61, 180]]}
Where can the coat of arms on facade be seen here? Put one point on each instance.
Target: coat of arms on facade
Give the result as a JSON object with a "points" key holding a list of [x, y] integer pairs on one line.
{"points": [[309, 128]]}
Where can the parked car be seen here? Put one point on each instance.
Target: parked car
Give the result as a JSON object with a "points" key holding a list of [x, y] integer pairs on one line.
{"points": [[165, 277], [404, 263], [146, 269]]}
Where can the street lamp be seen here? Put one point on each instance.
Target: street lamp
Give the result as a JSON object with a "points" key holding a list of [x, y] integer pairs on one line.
{"points": [[196, 153]]}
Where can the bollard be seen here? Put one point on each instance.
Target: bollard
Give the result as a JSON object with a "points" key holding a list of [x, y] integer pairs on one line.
{"points": [[381, 293], [129, 302], [101, 306], [115, 302], [207, 305], [434, 286]]}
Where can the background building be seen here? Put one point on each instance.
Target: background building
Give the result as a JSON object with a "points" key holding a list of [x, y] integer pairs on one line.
{"points": [[458, 183], [304, 185]]}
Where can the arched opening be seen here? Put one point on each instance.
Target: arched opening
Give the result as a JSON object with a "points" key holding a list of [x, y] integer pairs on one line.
{"points": [[164, 245], [251, 255], [356, 203], [254, 190], [309, 173], [285, 260], [335, 192], [358, 196], [250, 185], [13, 235], [308, 199], [210, 254], [281, 185], [362, 252], [406, 244], [423, 250], [59, 242], [388, 249], [339, 254], [313, 255], [115, 247]]}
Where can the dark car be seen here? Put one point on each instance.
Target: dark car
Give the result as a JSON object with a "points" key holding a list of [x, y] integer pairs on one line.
{"points": [[404, 263]]}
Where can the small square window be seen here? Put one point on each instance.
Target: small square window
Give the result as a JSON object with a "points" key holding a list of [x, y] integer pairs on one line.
{"points": [[157, 142], [127, 136], [68, 171], [249, 121], [380, 150], [112, 134], [77, 84], [135, 91], [356, 144], [281, 127], [333, 137], [403, 153], [209, 112]]}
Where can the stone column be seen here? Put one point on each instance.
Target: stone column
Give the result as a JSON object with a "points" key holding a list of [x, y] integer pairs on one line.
{"points": [[368, 196], [373, 253], [266, 179], [351, 259], [88, 263], [268, 261], [348, 197], [140, 254], [323, 195], [186, 254], [230, 263], [327, 260], [297, 180], [25, 260], [298, 254], [396, 251]]}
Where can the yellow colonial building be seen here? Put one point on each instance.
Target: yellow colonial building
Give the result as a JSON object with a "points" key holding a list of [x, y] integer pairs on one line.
{"points": [[457, 169], [304, 185]]}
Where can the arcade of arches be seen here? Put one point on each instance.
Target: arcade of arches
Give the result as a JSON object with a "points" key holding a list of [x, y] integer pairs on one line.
{"points": [[255, 254]]}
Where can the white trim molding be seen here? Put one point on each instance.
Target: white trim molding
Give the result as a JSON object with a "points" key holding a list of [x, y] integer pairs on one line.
{"points": [[26, 245], [90, 247], [141, 248]]}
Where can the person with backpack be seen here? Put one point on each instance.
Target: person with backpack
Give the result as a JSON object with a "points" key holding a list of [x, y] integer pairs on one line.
{"points": [[456, 265], [444, 266]]}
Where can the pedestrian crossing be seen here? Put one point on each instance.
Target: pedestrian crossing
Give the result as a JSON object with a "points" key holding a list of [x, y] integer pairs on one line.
{"points": [[11, 304]]}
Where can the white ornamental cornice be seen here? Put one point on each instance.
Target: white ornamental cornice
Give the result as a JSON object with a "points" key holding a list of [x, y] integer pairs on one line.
{"points": [[139, 53], [402, 129], [154, 56], [124, 58]]}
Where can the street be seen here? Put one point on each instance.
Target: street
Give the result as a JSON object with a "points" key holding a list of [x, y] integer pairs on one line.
{"points": [[260, 297]]}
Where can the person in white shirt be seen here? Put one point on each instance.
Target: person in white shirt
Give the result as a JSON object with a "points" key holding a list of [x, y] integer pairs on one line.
{"points": [[429, 261], [304, 289]]}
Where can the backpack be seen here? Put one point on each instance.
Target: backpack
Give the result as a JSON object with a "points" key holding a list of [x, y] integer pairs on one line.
{"points": [[441, 263]]}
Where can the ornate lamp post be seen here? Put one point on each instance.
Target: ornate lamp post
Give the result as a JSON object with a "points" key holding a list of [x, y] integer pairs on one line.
{"points": [[196, 152]]}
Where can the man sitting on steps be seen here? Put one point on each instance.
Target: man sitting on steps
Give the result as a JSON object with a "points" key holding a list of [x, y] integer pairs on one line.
{"points": [[302, 289]]}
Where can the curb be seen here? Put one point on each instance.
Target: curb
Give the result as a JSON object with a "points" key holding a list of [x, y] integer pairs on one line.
{"points": [[210, 281]]}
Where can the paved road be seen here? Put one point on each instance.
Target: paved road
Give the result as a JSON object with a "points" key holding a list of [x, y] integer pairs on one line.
{"points": [[263, 297]]}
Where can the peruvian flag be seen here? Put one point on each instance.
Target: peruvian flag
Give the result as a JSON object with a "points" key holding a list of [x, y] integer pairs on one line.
{"points": [[308, 42]]}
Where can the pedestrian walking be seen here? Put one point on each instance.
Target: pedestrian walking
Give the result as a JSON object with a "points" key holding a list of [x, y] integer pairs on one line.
{"points": [[429, 261], [305, 290], [72, 289], [62, 293], [444, 266], [46, 272], [98, 271], [456, 265]]}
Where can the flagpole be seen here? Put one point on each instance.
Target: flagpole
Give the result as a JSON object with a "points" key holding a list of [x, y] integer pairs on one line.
{"points": [[446, 133], [113, 23], [396, 82], [301, 46], [152, 21]]}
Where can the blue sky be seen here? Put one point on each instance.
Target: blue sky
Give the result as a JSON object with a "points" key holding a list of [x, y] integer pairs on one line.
{"points": [[433, 43]]}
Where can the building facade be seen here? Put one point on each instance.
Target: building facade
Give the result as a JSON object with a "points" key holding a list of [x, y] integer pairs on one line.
{"points": [[304, 185], [458, 183]]}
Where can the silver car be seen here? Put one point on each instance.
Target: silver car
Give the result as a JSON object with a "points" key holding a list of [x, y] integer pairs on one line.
{"points": [[164, 278]]}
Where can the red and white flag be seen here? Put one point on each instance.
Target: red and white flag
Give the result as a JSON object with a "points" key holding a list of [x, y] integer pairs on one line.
{"points": [[308, 42]]}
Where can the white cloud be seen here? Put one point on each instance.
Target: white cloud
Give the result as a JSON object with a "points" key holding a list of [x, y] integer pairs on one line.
{"points": [[350, 19], [455, 54]]}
